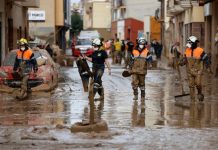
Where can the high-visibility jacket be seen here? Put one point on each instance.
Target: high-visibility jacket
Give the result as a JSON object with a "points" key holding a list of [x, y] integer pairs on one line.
{"points": [[196, 53], [139, 65], [142, 54], [24, 55], [25, 61], [194, 60]]}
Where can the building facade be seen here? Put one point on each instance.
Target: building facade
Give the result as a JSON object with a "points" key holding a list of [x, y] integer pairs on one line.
{"points": [[54, 22], [139, 11], [13, 23], [97, 16], [181, 19], [211, 31]]}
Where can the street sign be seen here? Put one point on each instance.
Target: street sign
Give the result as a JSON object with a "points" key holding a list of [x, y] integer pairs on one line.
{"points": [[36, 15]]}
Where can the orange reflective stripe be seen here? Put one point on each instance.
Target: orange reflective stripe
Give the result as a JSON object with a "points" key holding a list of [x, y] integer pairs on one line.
{"points": [[196, 53], [26, 54], [144, 53]]}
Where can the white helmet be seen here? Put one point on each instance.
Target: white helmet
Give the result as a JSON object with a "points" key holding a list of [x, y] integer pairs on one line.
{"points": [[192, 42], [142, 41], [97, 42], [192, 39]]}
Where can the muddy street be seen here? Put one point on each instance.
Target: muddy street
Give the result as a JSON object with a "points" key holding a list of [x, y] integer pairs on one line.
{"points": [[43, 121]]}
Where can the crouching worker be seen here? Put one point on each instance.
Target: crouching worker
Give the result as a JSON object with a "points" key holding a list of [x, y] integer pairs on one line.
{"points": [[194, 59], [99, 59], [24, 64], [141, 59]]}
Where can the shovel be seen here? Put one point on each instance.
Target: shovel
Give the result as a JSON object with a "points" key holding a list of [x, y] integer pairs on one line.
{"points": [[181, 84]]}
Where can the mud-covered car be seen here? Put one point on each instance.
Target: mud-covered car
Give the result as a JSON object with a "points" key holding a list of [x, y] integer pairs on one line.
{"points": [[46, 78]]}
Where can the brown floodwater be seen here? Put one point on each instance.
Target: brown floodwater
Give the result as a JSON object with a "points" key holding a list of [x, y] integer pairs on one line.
{"points": [[160, 121]]}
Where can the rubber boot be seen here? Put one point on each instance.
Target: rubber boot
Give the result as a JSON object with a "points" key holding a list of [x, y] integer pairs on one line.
{"points": [[101, 93], [142, 94], [192, 94], [95, 90], [135, 92], [201, 97]]}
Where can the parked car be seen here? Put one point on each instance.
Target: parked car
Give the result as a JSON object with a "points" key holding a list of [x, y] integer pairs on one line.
{"points": [[47, 74], [82, 46]]}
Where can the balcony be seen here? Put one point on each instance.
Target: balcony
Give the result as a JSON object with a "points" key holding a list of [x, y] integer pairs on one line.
{"points": [[185, 4], [194, 2], [30, 3], [174, 10]]}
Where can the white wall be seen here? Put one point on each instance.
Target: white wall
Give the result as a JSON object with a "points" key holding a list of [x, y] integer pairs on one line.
{"points": [[147, 28], [101, 15], [120, 29]]}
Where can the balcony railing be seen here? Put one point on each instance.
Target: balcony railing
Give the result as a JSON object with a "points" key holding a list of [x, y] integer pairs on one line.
{"points": [[177, 6], [185, 4], [174, 7]]}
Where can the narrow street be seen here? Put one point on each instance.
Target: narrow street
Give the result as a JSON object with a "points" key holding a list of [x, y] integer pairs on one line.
{"points": [[159, 122]]}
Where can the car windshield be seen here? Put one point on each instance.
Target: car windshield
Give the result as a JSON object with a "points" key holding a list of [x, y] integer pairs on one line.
{"points": [[84, 42], [10, 59]]}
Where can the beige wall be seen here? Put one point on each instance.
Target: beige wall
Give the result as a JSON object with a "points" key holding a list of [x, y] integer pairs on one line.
{"points": [[101, 15], [45, 28], [31, 3], [49, 7], [87, 16], [59, 20], [197, 14]]}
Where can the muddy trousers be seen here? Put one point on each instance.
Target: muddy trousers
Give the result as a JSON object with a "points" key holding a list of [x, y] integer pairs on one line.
{"points": [[24, 87], [138, 81], [97, 87], [128, 59], [195, 81]]}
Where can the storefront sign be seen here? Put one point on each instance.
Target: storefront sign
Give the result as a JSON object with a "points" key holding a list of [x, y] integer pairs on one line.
{"points": [[36, 15]]}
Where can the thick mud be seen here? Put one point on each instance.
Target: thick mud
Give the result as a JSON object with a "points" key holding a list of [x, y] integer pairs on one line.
{"points": [[43, 120]]}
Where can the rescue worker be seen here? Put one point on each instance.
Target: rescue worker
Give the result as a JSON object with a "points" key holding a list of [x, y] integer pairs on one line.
{"points": [[138, 67], [99, 59], [194, 59], [24, 64], [117, 45], [176, 53], [130, 47]]}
